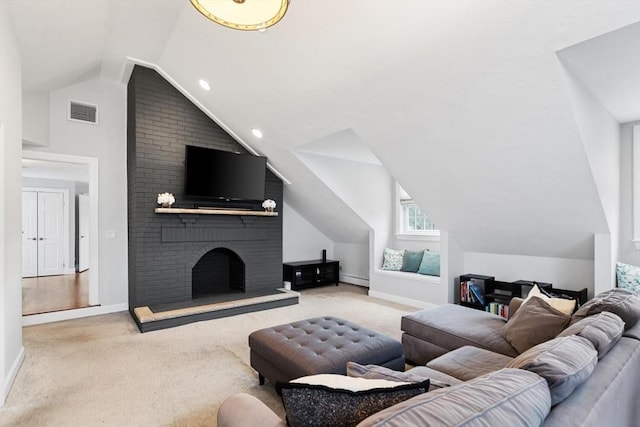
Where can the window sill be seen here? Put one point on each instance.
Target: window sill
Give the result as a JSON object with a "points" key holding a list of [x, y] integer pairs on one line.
{"points": [[426, 237]]}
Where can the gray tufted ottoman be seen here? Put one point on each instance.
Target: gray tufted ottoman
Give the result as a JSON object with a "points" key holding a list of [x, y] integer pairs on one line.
{"points": [[322, 345]]}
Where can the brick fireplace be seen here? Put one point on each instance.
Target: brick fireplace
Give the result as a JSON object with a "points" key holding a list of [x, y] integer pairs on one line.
{"points": [[184, 258]]}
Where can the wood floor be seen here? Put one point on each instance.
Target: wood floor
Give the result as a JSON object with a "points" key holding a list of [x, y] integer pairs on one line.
{"points": [[55, 293]]}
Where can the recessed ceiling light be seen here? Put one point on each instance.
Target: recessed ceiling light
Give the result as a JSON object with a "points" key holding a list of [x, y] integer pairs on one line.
{"points": [[256, 132], [204, 84]]}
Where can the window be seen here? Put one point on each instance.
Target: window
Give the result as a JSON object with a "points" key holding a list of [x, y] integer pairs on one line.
{"points": [[411, 220]]}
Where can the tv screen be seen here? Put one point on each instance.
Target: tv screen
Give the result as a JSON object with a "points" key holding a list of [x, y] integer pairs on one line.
{"points": [[217, 174]]}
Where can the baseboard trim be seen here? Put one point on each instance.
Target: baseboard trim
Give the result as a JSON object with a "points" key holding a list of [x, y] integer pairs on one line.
{"points": [[13, 373], [400, 300], [354, 280], [57, 316]]}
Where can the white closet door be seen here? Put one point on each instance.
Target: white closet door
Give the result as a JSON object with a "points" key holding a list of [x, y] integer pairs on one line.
{"points": [[29, 233], [50, 233]]}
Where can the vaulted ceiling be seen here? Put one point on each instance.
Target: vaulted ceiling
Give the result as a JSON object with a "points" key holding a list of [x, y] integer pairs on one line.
{"points": [[463, 102]]}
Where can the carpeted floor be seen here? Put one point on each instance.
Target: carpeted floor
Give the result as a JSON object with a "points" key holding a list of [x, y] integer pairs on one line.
{"points": [[102, 371]]}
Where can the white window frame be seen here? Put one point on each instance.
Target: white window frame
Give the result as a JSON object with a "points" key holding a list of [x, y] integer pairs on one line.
{"points": [[636, 186], [401, 230]]}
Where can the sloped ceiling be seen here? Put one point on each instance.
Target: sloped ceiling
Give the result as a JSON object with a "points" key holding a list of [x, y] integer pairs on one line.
{"points": [[461, 101]]}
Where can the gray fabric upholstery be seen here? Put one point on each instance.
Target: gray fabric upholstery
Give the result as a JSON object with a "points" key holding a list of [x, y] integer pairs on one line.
{"points": [[535, 322], [451, 326], [565, 363], [414, 375], [609, 397], [319, 345], [242, 410], [509, 397], [603, 330], [633, 332], [467, 363], [619, 301], [418, 351]]}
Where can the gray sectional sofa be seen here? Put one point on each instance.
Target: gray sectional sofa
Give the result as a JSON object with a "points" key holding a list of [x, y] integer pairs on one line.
{"points": [[587, 375]]}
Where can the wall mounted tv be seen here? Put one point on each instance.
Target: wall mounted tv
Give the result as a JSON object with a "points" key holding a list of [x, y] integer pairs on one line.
{"points": [[223, 175]]}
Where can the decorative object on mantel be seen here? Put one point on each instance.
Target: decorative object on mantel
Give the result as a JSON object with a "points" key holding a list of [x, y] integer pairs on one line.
{"points": [[269, 205], [166, 200]]}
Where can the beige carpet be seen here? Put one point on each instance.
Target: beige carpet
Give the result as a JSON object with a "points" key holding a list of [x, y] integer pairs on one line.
{"points": [[102, 371]]}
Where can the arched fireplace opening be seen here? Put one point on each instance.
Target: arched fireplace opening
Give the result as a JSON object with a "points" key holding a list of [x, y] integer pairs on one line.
{"points": [[219, 271]]}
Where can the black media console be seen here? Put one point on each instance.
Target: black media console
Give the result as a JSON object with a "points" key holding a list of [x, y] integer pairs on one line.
{"points": [[309, 274]]}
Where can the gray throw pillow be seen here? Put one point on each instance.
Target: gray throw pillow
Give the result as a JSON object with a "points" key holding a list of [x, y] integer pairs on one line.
{"points": [[534, 322], [564, 362], [603, 330], [618, 301]]}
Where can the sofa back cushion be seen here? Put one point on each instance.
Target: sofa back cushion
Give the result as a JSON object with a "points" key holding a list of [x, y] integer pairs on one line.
{"points": [[564, 362], [508, 397], [603, 330], [534, 322], [622, 302]]}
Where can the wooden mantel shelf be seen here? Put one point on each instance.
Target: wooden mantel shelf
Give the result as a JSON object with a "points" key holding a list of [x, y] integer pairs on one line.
{"points": [[214, 212]]}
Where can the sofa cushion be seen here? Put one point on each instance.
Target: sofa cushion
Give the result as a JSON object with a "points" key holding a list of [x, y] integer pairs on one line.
{"points": [[508, 397], [564, 362], [332, 400], [450, 326], [603, 330], [430, 264], [467, 363], [411, 261], [392, 259], [416, 374], [622, 302], [566, 306], [628, 276], [535, 322]]}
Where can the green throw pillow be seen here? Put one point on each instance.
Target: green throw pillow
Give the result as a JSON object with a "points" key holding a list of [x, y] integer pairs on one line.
{"points": [[430, 264], [411, 261]]}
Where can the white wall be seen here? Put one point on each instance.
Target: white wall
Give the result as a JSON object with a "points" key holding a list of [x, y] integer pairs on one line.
{"points": [[35, 118], [354, 262], [600, 134], [627, 251], [107, 143], [563, 273], [300, 240], [11, 351]]}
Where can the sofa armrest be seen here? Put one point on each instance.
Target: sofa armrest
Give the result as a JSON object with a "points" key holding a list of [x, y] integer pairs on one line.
{"points": [[242, 410]]}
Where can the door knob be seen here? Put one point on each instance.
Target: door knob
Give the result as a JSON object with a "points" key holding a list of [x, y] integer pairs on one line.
{"points": [[42, 238]]}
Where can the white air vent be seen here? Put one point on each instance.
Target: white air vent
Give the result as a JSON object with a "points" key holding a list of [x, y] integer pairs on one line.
{"points": [[83, 112]]}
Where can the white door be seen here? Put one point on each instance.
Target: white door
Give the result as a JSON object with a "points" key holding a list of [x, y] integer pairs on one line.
{"points": [[50, 233], [83, 229], [29, 233]]}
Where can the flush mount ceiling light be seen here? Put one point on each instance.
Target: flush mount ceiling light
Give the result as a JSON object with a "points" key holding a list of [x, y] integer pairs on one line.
{"points": [[248, 15], [256, 132], [204, 84]]}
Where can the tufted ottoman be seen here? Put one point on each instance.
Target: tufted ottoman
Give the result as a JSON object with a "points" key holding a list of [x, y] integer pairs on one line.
{"points": [[322, 345]]}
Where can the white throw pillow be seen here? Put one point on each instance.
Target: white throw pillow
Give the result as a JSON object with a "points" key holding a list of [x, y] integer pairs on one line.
{"points": [[561, 304]]}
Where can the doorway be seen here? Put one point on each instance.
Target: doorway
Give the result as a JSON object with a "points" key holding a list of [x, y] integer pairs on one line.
{"points": [[46, 288]]}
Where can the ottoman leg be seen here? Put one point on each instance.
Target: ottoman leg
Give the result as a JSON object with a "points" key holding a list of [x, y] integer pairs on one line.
{"points": [[260, 379]]}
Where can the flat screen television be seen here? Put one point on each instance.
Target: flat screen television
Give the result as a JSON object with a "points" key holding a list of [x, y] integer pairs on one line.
{"points": [[217, 174]]}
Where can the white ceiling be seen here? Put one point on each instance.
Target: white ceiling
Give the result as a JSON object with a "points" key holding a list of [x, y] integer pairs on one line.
{"points": [[461, 101]]}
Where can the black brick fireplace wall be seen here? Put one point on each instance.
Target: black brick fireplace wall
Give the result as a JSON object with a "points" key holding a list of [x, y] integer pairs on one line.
{"points": [[163, 248]]}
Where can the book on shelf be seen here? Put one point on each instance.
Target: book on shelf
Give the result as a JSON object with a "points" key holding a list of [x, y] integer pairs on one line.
{"points": [[476, 293], [500, 309]]}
